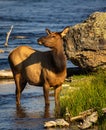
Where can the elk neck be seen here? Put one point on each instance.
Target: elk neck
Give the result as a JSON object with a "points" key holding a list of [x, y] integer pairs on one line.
{"points": [[59, 58]]}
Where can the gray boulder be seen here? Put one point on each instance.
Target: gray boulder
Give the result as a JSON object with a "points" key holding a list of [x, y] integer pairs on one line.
{"points": [[85, 43]]}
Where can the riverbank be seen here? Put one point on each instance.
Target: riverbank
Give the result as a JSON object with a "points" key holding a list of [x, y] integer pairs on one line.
{"points": [[85, 91], [89, 89]]}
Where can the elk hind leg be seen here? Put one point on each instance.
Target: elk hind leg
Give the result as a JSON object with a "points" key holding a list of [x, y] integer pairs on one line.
{"points": [[20, 85], [17, 92]]}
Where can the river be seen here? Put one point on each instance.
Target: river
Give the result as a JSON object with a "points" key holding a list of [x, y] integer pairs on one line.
{"points": [[29, 19]]}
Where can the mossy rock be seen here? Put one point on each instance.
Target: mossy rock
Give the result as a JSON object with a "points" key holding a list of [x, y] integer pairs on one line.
{"points": [[86, 42]]}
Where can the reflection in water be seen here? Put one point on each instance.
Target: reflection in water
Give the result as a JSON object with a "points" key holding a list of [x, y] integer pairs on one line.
{"points": [[21, 112], [26, 120]]}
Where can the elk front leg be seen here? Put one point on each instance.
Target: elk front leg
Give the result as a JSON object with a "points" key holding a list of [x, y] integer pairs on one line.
{"points": [[46, 94], [57, 99]]}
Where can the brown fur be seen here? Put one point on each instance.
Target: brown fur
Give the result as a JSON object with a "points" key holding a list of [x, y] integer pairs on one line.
{"points": [[47, 69]]}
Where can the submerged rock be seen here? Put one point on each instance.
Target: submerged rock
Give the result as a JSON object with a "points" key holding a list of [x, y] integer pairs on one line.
{"points": [[86, 42]]}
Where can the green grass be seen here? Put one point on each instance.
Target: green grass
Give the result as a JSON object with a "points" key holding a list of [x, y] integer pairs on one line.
{"points": [[85, 92]]}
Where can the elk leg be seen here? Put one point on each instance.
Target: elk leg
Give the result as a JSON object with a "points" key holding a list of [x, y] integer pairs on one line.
{"points": [[57, 99], [23, 84], [47, 114], [18, 88], [46, 94]]}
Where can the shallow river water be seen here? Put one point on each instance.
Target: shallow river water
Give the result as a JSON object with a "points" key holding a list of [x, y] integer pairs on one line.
{"points": [[29, 19], [30, 115]]}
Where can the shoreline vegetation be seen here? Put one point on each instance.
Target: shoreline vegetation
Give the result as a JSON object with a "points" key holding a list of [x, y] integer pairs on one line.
{"points": [[85, 92]]}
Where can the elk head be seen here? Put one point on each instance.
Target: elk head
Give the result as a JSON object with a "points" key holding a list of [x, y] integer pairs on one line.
{"points": [[53, 39]]}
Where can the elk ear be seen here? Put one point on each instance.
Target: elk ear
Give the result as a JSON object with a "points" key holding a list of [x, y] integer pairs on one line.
{"points": [[65, 31], [48, 31]]}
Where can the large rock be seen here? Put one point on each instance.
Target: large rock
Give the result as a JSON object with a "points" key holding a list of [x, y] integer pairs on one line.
{"points": [[86, 42]]}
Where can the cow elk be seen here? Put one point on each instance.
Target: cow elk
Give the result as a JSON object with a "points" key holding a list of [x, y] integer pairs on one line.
{"points": [[47, 69]]}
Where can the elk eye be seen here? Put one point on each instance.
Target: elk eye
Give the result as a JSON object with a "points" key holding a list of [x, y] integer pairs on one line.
{"points": [[53, 36]]}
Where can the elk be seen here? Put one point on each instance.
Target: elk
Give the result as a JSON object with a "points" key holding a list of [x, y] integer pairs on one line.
{"points": [[47, 69]]}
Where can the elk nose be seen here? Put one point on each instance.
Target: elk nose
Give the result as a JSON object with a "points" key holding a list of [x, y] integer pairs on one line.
{"points": [[39, 41]]}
